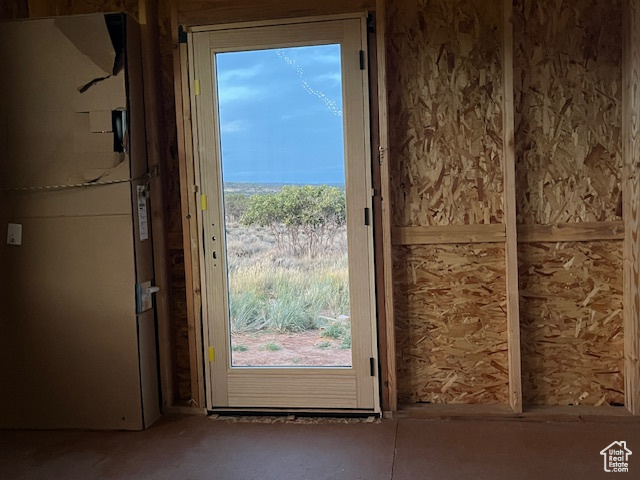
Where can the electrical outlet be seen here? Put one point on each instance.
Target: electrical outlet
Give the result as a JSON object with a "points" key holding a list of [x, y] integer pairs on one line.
{"points": [[14, 234]]}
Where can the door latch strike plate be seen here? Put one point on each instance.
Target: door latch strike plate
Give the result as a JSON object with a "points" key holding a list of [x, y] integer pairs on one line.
{"points": [[212, 355]]}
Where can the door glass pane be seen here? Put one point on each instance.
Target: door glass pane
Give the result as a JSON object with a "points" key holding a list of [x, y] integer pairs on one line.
{"points": [[283, 171]]}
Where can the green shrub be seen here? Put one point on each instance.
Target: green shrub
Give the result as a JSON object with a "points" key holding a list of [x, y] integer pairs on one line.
{"points": [[235, 205], [346, 340], [289, 312], [303, 219], [272, 347], [246, 311], [336, 331]]}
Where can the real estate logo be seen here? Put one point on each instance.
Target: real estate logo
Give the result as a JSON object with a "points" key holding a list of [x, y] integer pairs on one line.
{"points": [[616, 457]]}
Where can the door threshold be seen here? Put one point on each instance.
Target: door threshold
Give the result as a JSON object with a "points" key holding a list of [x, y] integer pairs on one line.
{"points": [[301, 412]]}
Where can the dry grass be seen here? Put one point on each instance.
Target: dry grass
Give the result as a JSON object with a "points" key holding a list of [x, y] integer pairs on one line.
{"points": [[275, 293]]}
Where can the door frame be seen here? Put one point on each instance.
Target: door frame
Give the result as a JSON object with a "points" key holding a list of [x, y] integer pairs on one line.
{"points": [[207, 354]]}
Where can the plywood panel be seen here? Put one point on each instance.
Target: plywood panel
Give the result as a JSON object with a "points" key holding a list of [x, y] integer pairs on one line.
{"points": [[445, 111], [571, 316], [451, 324], [568, 90], [210, 12]]}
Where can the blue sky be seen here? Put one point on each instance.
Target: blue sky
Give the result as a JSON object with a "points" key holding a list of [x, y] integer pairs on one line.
{"points": [[281, 115]]}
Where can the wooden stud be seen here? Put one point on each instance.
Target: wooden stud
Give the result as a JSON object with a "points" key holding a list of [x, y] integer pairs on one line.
{"points": [[571, 232], [452, 234], [207, 12], [148, 19], [557, 413], [631, 202], [511, 245], [188, 205], [374, 115], [387, 247], [496, 233]]}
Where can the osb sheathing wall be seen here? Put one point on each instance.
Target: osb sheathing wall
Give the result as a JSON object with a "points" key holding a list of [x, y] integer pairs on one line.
{"points": [[445, 82], [572, 338], [446, 131], [568, 99], [451, 324]]}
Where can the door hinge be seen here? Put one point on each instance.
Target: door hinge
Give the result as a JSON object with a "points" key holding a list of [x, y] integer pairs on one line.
{"points": [[367, 219], [212, 355], [362, 59], [203, 202], [371, 23], [372, 365], [182, 34], [196, 88]]}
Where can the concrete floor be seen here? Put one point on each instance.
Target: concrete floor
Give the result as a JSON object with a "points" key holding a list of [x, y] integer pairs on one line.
{"points": [[201, 448]]}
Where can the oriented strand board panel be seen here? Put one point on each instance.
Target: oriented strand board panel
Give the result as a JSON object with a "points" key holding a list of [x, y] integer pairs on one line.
{"points": [[445, 111], [568, 91], [451, 324], [209, 12], [571, 317]]}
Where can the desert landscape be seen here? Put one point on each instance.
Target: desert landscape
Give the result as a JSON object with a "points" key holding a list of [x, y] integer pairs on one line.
{"points": [[288, 275]]}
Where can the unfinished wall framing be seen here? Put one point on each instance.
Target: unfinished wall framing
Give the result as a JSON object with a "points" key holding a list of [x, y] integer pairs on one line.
{"points": [[569, 150], [510, 116], [446, 114], [470, 93]]}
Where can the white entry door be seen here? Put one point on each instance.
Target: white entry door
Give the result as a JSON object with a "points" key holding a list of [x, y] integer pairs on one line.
{"points": [[282, 142]]}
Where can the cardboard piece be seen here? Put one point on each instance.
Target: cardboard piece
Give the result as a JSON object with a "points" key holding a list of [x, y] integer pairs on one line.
{"points": [[70, 354], [108, 94], [85, 141], [45, 141], [101, 122], [90, 36]]}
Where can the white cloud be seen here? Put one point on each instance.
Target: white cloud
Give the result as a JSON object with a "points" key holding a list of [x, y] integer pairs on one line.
{"points": [[240, 73], [314, 58], [333, 77], [233, 126], [227, 93]]}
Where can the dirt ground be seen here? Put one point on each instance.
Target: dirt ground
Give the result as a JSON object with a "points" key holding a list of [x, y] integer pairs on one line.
{"points": [[305, 349]]}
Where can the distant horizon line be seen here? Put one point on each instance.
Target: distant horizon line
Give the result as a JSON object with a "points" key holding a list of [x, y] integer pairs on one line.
{"points": [[287, 183]]}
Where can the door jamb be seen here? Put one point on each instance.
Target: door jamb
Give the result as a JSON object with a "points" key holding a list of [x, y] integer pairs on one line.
{"points": [[198, 326]]}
